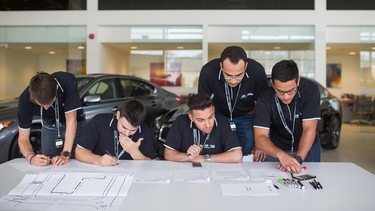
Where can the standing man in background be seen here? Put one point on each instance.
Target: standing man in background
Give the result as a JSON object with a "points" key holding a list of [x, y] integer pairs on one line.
{"points": [[54, 97], [236, 82]]}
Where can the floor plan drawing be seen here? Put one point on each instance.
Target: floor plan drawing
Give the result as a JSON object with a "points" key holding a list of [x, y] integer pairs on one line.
{"points": [[68, 191]]}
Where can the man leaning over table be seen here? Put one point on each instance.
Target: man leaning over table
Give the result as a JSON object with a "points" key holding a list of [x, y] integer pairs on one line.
{"points": [[55, 99], [110, 137], [200, 137], [286, 119]]}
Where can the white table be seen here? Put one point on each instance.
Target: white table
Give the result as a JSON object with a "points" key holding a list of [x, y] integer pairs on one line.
{"points": [[346, 186]]}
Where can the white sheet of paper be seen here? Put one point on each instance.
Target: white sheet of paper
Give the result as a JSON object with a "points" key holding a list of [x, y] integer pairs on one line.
{"points": [[64, 191], [191, 176], [153, 177], [267, 173], [73, 184], [249, 189], [229, 174]]}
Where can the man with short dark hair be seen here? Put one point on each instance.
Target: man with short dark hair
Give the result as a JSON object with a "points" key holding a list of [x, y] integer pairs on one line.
{"points": [[54, 97], [199, 136], [110, 137], [287, 117], [236, 82]]}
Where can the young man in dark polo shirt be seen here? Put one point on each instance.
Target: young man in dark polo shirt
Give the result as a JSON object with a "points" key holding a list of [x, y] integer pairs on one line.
{"points": [[286, 120], [199, 136], [54, 97], [110, 137], [236, 82]]}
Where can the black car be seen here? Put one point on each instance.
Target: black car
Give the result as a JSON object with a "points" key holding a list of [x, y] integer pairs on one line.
{"points": [[99, 93], [329, 126]]}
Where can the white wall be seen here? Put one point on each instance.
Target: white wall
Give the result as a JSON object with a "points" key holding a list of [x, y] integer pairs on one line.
{"points": [[20, 68], [113, 61]]}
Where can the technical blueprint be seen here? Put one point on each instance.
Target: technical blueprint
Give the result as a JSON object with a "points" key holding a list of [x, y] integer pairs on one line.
{"points": [[68, 191]]}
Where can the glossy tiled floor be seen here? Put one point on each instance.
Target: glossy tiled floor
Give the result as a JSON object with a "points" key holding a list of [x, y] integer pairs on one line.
{"points": [[357, 145]]}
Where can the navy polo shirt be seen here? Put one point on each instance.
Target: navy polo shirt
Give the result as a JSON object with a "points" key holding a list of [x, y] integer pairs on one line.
{"points": [[98, 137], [181, 136], [211, 80], [307, 108], [68, 98]]}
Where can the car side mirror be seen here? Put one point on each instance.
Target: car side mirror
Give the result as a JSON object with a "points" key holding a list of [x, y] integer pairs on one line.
{"points": [[92, 99]]}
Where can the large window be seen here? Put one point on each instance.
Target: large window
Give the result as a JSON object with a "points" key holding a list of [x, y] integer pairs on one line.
{"points": [[27, 50]]}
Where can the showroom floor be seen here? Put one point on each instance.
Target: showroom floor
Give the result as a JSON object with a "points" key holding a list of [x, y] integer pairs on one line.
{"points": [[357, 145]]}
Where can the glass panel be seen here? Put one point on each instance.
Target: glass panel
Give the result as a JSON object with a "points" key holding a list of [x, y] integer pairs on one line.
{"points": [[25, 50], [268, 44]]}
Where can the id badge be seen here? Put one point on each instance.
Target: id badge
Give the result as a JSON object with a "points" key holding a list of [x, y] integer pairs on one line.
{"points": [[232, 126], [59, 142]]}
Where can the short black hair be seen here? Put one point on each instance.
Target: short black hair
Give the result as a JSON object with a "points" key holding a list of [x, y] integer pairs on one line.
{"points": [[42, 88], [234, 54], [284, 71], [133, 111], [199, 102]]}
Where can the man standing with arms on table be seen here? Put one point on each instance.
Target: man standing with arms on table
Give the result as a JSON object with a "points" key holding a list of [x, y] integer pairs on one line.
{"points": [[110, 137], [236, 82], [199, 136], [55, 99], [286, 120]]}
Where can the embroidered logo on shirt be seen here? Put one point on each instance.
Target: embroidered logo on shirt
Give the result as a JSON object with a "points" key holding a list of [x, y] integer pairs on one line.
{"points": [[209, 146], [246, 95]]}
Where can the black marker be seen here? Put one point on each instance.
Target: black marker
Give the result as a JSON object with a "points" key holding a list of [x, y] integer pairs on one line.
{"points": [[300, 183], [276, 186]]}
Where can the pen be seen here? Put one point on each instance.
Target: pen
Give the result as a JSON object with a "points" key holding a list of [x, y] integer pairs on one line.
{"points": [[300, 183], [108, 153], [313, 184], [276, 186], [321, 187], [318, 184]]}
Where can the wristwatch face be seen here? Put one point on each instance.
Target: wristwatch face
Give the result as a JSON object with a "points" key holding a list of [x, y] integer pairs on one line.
{"points": [[207, 157], [66, 154], [299, 159]]}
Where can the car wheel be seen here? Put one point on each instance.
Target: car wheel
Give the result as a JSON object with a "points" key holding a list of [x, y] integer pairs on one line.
{"points": [[334, 130], [35, 140]]}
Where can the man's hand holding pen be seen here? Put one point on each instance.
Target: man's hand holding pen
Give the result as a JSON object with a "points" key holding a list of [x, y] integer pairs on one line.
{"points": [[106, 160], [39, 160], [193, 151]]}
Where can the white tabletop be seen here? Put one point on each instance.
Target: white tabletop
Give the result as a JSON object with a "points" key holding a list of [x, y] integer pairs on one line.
{"points": [[346, 186]]}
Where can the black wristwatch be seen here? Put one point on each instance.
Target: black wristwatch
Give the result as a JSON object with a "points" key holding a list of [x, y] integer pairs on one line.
{"points": [[207, 158], [66, 154], [299, 159]]}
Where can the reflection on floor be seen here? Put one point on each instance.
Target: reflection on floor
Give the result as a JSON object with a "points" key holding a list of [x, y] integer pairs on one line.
{"points": [[357, 145]]}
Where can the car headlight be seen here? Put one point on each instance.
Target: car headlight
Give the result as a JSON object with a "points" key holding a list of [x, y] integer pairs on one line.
{"points": [[5, 124]]}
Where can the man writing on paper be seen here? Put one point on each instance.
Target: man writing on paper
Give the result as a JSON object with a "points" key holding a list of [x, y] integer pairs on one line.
{"points": [[54, 97], [199, 136], [287, 115], [109, 137]]}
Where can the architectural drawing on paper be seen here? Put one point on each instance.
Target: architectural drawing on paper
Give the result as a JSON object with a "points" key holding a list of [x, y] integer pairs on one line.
{"points": [[99, 191]]}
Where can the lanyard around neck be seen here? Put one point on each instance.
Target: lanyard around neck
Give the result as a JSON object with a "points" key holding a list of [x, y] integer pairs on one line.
{"points": [[229, 97], [197, 138], [282, 117]]}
